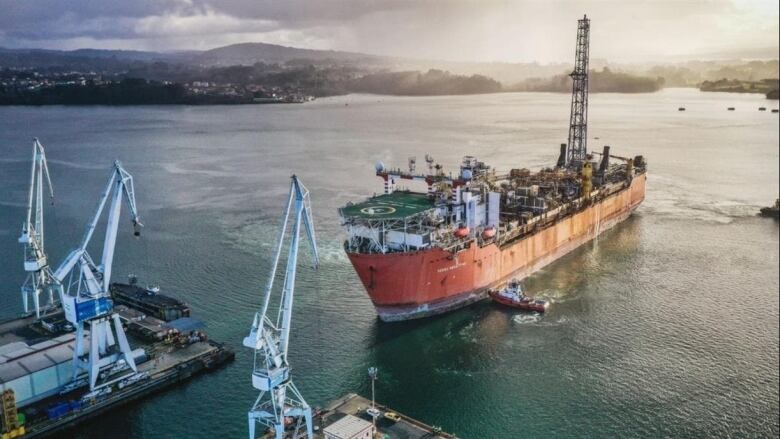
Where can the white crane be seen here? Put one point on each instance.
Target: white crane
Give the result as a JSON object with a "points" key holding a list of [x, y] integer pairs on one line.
{"points": [[279, 398], [86, 298], [39, 279]]}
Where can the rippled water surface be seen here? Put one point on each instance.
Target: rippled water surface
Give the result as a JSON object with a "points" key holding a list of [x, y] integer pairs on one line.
{"points": [[666, 326]]}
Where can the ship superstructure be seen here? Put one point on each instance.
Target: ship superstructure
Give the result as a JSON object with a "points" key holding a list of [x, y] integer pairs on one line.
{"points": [[423, 253]]}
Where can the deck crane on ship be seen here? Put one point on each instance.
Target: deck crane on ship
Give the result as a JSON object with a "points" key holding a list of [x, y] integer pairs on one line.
{"points": [[85, 294], [279, 399], [36, 264]]}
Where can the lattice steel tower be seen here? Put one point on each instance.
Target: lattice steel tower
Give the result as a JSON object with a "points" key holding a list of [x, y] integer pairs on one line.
{"points": [[577, 148]]}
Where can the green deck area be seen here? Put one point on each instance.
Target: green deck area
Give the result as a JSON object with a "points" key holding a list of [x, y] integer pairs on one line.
{"points": [[389, 206]]}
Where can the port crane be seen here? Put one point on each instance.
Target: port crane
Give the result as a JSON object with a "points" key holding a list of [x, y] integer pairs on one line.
{"points": [[36, 264], [279, 399], [86, 297]]}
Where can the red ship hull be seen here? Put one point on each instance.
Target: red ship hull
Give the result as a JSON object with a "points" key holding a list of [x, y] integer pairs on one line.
{"points": [[418, 284]]}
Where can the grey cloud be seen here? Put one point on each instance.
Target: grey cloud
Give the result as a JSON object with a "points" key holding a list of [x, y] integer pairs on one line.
{"points": [[448, 29], [308, 12], [47, 19]]}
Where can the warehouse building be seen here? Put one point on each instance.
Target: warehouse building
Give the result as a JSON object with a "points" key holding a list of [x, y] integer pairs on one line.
{"points": [[37, 371]]}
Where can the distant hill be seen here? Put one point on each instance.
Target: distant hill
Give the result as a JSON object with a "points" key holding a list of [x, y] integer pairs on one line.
{"points": [[600, 81], [187, 66], [768, 87], [431, 83], [247, 54], [81, 59], [251, 53]]}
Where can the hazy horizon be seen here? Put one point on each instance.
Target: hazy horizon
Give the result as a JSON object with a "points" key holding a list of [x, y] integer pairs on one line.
{"points": [[455, 31]]}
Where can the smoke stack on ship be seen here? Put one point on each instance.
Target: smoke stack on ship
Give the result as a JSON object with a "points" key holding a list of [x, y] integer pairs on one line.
{"points": [[424, 253]]}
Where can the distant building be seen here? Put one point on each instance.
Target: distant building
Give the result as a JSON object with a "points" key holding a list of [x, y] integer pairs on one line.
{"points": [[349, 427]]}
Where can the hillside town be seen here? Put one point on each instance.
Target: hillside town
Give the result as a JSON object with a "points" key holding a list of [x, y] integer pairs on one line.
{"points": [[30, 86]]}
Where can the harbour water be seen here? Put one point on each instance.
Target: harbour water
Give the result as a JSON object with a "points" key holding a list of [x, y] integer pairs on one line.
{"points": [[666, 326]]}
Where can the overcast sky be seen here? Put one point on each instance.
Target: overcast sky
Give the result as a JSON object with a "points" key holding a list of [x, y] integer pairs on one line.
{"points": [[464, 30]]}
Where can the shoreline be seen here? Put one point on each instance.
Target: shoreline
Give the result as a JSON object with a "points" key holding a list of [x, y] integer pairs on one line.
{"points": [[203, 104]]}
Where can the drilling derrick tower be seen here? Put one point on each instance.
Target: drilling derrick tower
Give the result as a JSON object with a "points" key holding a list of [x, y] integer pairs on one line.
{"points": [[577, 148]]}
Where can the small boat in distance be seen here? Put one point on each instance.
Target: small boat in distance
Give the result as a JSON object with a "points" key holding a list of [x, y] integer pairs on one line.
{"points": [[761, 108], [731, 108], [513, 296], [681, 109]]}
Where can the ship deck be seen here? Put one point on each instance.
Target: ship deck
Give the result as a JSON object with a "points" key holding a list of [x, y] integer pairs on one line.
{"points": [[399, 204]]}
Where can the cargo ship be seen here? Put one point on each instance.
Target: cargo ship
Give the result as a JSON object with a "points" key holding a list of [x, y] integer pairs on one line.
{"points": [[424, 253]]}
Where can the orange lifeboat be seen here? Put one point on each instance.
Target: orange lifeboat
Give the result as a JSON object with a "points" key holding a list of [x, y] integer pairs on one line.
{"points": [[462, 232], [489, 233]]}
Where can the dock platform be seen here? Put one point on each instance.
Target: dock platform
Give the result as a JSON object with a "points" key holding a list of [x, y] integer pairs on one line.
{"points": [[355, 405], [36, 365], [166, 369]]}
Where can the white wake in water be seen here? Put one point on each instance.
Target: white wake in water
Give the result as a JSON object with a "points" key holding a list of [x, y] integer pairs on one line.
{"points": [[525, 319]]}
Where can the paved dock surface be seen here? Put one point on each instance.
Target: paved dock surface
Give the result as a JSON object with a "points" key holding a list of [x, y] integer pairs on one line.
{"points": [[169, 357], [170, 365], [356, 405]]}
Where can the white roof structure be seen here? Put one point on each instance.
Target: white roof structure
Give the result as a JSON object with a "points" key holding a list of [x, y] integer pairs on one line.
{"points": [[19, 359], [349, 427]]}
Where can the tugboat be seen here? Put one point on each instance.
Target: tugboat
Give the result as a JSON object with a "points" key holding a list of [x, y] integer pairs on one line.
{"points": [[772, 211], [513, 296]]}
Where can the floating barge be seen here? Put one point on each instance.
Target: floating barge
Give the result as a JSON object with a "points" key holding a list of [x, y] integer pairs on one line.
{"points": [[347, 418], [149, 301], [176, 367], [36, 365]]}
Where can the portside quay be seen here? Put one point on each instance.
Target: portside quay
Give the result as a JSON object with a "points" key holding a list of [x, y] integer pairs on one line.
{"points": [[40, 396], [351, 412]]}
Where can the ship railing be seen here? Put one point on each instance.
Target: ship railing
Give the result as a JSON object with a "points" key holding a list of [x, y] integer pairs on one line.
{"points": [[370, 235]]}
